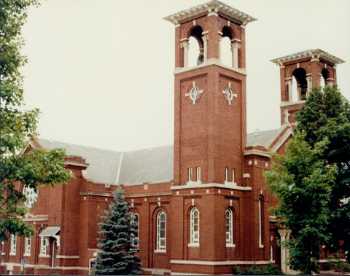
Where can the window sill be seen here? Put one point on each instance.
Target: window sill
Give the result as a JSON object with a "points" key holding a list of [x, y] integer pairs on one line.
{"points": [[160, 251], [193, 245], [231, 245], [44, 256], [192, 182], [261, 246], [230, 183], [12, 254], [26, 255]]}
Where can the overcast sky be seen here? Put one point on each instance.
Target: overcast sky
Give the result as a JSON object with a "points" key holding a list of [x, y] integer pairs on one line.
{"points": [[101, 72]]}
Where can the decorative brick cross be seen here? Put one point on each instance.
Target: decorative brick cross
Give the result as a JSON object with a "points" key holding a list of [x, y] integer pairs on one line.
{"points": [[194, 93], [229, 94]]}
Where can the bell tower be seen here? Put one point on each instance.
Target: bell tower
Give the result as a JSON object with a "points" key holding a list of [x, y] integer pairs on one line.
{"points": [[210, 94], [300, 73]]}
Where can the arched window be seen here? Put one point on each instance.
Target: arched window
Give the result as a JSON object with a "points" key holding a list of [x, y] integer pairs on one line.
{"points": [[229, 228], [161, 231], [13, 245], [226, 49], [324, 78], [299, 85], [261, 221], [135, 234], [194, 227], [195, 55]]}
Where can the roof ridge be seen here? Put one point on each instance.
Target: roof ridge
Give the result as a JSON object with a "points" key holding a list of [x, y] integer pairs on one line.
{"points": [[150, 148], [102, 149], [78, 145], [264, 130]]}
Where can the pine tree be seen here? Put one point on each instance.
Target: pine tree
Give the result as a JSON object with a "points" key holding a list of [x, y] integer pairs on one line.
{"points": [[117, 254]]}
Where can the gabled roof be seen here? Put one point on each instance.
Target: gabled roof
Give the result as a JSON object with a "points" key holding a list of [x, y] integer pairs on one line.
{"points": [[113, 167], [262, 138], [103, 164], [149, 165], [153, 165], [211, 6], [311, 53]]}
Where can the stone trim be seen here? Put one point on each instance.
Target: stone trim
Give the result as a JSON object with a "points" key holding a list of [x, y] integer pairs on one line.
{"points": [[67, 257], [284, 104], [33, 218], [314, 54], [218, 263], [282, 140], [211, 185], [212, 7], [257, 152], [46, 266], [208, 62], [75, 164]]}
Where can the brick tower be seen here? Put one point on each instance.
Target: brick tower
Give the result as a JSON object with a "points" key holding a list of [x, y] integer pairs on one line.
{"points": [[300, 73], [210, 98], [210, 137]]}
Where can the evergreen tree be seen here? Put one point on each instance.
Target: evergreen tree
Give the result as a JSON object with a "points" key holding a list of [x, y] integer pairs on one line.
{"points": [[117, 254], [18, 126]]}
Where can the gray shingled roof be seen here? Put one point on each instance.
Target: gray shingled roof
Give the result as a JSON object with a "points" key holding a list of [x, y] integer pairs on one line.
{"points": [[112, 167], [136, 167], [262, 138], [103, 164], [148, 165]]}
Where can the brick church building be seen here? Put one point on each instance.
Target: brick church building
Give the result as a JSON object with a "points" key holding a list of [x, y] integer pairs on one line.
{"points": [[202, 205]]}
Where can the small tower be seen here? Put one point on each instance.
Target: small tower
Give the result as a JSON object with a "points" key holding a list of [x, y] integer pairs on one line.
{"points": [[300, 73], [210, 93]]}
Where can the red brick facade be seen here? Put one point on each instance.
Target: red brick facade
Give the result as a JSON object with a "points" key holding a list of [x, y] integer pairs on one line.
{"points": [[215, 169]]}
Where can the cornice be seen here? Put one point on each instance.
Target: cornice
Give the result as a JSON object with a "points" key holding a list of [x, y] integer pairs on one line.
{"points": [[257, 152], [209, 62], [211, 185], [212, 7], [313, 54]]}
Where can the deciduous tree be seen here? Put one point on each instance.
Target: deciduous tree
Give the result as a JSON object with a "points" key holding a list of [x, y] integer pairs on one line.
{"points": [[18, 126]]}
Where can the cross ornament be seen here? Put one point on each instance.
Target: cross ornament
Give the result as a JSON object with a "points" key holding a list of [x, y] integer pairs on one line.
{"points": [[194, 93], [229, 94]]}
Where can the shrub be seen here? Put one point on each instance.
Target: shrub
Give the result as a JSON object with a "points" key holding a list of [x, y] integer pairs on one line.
{"points": [[269, 269]]}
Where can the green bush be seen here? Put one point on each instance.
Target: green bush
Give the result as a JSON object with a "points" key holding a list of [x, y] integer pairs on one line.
{"points": [[342, 266], [257, 270]]}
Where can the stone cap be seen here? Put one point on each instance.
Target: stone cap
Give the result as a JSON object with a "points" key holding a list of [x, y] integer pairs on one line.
{"points": [[311, 53], [211, 6]]}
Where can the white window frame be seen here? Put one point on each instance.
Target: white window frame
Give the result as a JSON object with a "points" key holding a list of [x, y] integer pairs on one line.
{"points": [[92, 260], [27, 246], [199, 175], [13, 245], [2, 247], [161, 239], [229, 233], [194, 227], [229, 174], [260, 223], [135, 240], [44, 242], [189, 175]]}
